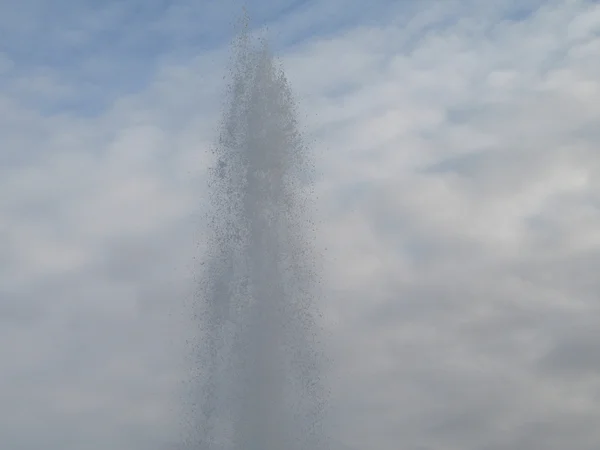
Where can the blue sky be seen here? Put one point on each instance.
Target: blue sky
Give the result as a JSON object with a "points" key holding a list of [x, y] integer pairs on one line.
{"points": [[457, 199], [100, 51]]}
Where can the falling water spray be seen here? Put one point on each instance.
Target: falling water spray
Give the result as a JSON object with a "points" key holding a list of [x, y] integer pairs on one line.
{"points": [[259, 359]]}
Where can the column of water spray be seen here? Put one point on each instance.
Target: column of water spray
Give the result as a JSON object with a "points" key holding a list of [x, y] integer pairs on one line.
{"points": [[260, 384]]}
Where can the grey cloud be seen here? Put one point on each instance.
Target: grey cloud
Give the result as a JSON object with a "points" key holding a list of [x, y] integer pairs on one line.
{"points": [[575, 352], [19, 309]]}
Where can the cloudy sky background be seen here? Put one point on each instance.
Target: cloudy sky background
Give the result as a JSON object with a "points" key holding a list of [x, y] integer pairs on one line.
{"points": [[459, 200]]}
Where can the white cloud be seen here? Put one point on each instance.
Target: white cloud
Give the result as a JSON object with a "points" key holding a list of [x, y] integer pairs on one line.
{"points": [[459, 209]]}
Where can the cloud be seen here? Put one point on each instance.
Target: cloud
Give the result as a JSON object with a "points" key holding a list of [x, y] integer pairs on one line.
{"points": [[458, 202]]}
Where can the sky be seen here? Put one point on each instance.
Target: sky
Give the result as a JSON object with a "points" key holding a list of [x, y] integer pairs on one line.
{"points": [[458, 206]]}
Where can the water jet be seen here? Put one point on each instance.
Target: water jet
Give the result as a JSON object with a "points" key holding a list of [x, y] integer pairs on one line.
{"points": [[259, 357]]}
